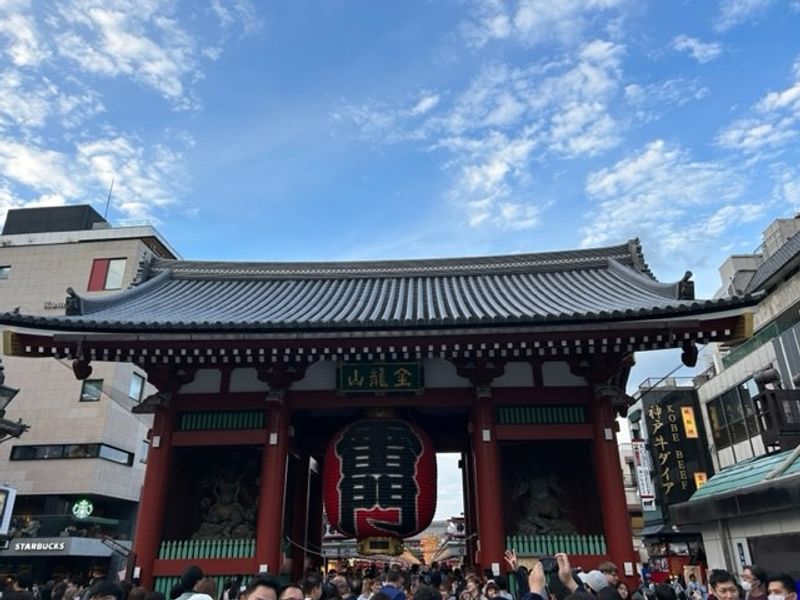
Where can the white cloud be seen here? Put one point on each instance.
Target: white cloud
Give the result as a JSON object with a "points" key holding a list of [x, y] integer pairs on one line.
{"points": [[425, 104], [18, 27], [136, 39], [652, 101], [237, 12], [533, 21], [661, 194], [700, 51], [148, 178], [773, 122], [737, 12]]}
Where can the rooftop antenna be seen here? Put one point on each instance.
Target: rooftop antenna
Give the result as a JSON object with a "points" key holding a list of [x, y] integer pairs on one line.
{"points": [[108, 201]]}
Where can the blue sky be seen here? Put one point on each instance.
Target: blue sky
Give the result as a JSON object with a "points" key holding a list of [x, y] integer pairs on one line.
{"points": [[364, 129]]}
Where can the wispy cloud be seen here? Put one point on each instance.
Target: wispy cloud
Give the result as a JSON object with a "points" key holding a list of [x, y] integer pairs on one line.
{"points": [[651, 101], [147, 177], [23, 44], [737, 12], [661, 194], [533, 21], [700, 51], [771, 124]]}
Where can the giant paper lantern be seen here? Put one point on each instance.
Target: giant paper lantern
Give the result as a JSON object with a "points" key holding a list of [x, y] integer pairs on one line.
{"points": [[380, 479]]}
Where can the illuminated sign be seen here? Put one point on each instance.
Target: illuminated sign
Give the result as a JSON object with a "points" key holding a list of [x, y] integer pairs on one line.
{"points": [[38, 546], [82, 508]]}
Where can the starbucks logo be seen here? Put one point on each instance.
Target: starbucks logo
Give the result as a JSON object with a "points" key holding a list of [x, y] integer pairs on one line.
{"points": [[82, 509]]}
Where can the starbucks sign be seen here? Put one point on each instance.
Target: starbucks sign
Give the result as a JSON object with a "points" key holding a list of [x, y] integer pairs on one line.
{"points": [[82, 508]]}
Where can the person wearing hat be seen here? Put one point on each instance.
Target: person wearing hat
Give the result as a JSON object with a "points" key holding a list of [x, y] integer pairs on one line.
{"points": [[594, 580]]}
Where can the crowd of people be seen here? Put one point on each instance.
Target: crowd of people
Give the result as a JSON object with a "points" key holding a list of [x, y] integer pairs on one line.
{"points": [[551, 578]]}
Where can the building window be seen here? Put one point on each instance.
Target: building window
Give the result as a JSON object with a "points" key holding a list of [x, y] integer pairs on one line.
{"points": [[144, 450], [136, 388], [91, 390], [5, 271], [733, 416], [107, 274], [67, 451]]}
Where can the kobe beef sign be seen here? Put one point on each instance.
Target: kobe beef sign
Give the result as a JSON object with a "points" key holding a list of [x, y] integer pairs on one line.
{"points": [[379, 378]]}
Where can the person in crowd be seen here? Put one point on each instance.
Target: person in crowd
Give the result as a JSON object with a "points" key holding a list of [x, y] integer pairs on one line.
{"points": [[106, 590], [205, 587], [343, 589], [312, 587], [665, 591], [594, 581], [490, 590], [155, 596], [137, 593], [426, 592], [20, 589], [366, 589], [723, 585], [609, 569], [472, 588], [502, 588], [622, 590], [781, 586], [754, 582], [291, 591], [262, 587], [393, 587], [445, 591]]}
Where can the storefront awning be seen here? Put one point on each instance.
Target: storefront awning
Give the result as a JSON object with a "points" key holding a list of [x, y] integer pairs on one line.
{"points": [[58, 546], [749, 487]]}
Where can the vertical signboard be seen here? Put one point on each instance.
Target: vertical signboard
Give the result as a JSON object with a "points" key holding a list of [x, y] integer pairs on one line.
{"points": [[677, 444], [641, 461]]}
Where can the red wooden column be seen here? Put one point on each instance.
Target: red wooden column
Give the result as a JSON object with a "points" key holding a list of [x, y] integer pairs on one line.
{"points": [[153, 502], [269, 526], [486, 455], [610, 488]]}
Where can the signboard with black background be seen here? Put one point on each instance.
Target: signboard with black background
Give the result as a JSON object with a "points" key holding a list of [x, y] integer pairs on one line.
{"points": [[678, 444]]}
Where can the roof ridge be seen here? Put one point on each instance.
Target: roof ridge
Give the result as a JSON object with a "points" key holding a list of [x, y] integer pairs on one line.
{"points": [[542, 261]]}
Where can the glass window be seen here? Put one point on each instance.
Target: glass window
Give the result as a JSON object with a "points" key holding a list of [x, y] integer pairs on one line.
{"points": [[5, 271], [91, 390], [136, 388], [115, 455], [116, 273], [719, 429], [106, 274], [144, 450]]}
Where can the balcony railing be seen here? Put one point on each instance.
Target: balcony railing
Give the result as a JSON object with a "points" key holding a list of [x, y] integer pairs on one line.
{"points": [[38, 526]]}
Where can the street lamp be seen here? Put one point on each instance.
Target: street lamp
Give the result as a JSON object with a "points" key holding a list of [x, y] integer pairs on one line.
{"points": [[8, 429]]}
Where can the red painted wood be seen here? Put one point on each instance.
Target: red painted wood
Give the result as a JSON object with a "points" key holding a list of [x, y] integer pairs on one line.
{"points": [[233, 437], [491, 535], [610, 488], [269, 526], [210, 566], [153, 501], [544, 432]]}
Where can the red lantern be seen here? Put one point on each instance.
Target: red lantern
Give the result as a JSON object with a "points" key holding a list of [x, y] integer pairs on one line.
{"points": [[380, 479]]}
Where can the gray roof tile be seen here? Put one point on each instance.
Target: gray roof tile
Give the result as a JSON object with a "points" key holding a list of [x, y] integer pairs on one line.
{"points": [[575, 286]]}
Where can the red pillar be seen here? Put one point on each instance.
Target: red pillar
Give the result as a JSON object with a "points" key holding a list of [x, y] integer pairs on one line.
{"points": [[610, 488], [269, 527], [491, 537], [153, 501]]}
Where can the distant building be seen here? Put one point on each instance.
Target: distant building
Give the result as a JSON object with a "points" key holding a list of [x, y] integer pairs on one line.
{"points": [[750, 398], [78, 471]]}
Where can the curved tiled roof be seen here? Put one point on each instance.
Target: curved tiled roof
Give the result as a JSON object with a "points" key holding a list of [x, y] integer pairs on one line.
{"points": [[599, 284]]}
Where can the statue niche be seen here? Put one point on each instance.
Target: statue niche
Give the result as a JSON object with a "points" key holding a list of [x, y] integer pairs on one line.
{"points": [[541, 502], [229, 508]]}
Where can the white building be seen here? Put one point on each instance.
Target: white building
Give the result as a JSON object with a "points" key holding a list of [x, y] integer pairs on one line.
{"points": [[750, 398], [83, 442]]}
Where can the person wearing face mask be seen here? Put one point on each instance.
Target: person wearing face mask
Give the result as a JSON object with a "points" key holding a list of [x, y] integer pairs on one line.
{"points": [[754, 583], [781, 587]]}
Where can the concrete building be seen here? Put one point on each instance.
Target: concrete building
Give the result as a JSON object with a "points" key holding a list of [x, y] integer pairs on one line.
{"points": [[750, 399], [78, 471]]}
